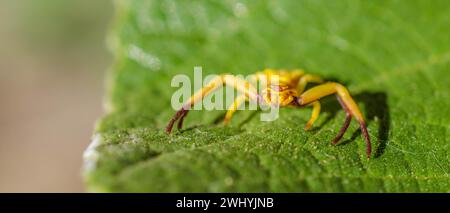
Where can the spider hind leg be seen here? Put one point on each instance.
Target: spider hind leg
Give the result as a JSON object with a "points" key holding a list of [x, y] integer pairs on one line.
{"points": [[347, 103], [348, 119]]}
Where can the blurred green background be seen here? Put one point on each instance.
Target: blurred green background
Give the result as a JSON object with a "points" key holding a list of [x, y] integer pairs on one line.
{"points": [[52, 62]]}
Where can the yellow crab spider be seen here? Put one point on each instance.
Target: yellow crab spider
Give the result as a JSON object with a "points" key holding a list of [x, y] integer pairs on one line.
{"points": [[290, 90]]}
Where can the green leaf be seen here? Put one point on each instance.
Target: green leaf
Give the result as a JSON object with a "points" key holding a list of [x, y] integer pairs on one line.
{"points": [[394, 56]]}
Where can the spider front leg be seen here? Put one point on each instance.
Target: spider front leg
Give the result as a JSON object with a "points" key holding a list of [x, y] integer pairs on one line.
{"points": [[347, 103], [241, 85], [314, 115], [301, 85]]}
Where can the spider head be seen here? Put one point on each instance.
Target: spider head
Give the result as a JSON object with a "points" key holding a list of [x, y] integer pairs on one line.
{"points": [[280, 94]]}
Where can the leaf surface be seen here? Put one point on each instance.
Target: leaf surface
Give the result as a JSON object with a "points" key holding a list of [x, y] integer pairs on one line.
{"points": [[393, 56]]}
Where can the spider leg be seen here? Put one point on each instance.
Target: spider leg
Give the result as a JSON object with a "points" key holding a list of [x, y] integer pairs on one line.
{"points": [[297, 74], [198, 96], [233, 107], [348, 119], [314, 115], [180, 122], [228, 80], [348, 104], [178, 115], [304, 80], [242, 86]]}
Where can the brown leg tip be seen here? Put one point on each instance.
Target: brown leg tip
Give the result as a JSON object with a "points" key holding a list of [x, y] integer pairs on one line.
{"points": [[335, 141], [169, 128], [178, 115], [180, 122], [366, 138], [369, 152], [343, 129]]}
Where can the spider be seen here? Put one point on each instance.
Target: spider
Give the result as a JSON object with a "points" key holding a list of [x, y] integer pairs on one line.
{"points": [[291, 92]]}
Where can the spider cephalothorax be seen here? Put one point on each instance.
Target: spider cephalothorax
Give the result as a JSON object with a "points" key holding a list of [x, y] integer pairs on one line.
{"points": [[289, 89]]}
